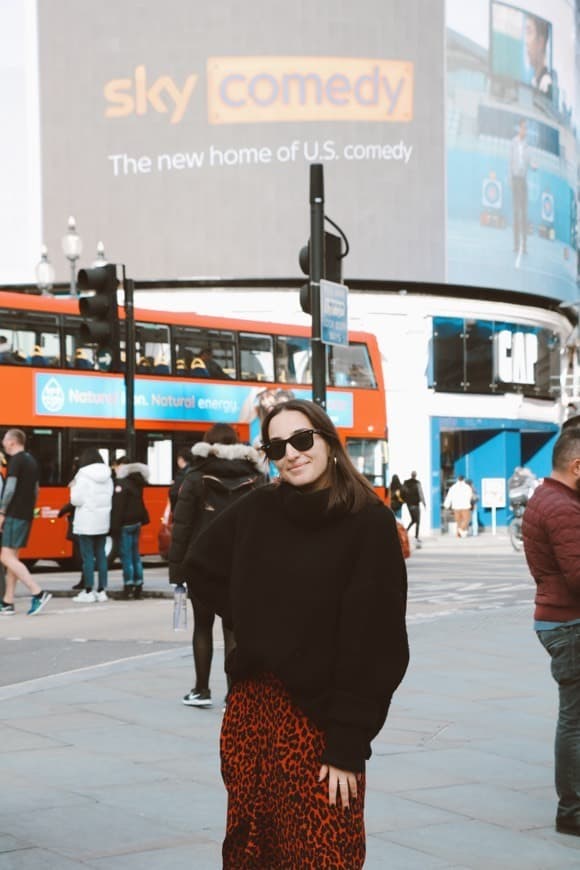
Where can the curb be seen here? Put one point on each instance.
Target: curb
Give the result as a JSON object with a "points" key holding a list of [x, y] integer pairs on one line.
{"points": [[115, 594]]}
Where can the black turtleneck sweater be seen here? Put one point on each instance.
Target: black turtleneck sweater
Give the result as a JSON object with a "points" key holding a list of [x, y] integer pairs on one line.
{"points": [[318, 600]]}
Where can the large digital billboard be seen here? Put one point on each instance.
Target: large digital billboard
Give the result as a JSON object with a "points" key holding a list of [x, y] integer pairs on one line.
{"points": [[511, 146], [180, 135]]}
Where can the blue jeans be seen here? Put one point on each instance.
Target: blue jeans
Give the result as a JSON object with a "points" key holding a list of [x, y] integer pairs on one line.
{"points": [[563, 646], [130, 558], [92, 549]]}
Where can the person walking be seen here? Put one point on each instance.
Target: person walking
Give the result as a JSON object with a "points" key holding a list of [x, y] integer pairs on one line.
{"points": [[91, 494], [309, 574], [222, 470], [128, 515], [459, 500], [474, 501], [395, 492], [414, 497], [17, 503], [551, 533]]}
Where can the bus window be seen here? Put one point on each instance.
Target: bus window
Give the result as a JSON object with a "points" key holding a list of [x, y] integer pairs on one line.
{"points": [[160, 461], [190, 342], [369, 456], [293, 360], [351, 366], [152, 349], [45, 446], [29, 338], [79, 355], [256, 357]]}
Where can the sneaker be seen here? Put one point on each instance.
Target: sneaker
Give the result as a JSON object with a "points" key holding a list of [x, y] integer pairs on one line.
{"points": [[101, 595], [138, 590], [87, 596], [78, 586], [6, 609], [197, 699], [36, 604]]}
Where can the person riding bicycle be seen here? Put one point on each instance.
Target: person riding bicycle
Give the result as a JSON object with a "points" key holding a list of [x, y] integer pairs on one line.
{"points": [[521, 485]]}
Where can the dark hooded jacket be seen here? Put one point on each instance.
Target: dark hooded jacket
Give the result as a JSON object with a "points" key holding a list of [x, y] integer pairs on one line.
{"points": [[232, 463], [128, 504]]}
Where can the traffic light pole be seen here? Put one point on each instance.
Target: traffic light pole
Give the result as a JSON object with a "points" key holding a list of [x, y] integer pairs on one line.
{"points": [[130, 437], [316, 266]]}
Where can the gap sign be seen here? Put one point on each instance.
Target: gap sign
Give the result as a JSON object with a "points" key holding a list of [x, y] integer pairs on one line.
{"points": [[334, 313]]}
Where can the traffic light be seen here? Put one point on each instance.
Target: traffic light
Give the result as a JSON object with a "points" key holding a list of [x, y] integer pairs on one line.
{"points": [[100, 312], [332, 269]]}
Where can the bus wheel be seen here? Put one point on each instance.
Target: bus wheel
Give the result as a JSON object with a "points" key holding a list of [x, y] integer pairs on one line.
{"points": [[73, 563]]}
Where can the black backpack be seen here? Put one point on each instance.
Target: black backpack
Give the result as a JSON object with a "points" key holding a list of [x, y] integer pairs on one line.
{"points": [[218, 493]]}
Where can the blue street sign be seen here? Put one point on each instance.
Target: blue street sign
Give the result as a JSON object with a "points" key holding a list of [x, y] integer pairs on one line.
{"points": [[334, 313]]}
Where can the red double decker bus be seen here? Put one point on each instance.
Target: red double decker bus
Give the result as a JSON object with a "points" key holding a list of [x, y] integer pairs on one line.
{"points": [[59, 391]]}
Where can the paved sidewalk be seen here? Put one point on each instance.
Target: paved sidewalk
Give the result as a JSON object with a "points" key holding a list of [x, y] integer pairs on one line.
{"points": [[105, 768]]}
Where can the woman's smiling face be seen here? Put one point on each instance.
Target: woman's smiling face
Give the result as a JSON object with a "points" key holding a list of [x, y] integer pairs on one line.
{"points": [[308, 468]]}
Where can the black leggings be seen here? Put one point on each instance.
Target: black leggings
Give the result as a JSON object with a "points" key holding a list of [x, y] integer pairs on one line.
{"points": [[203, 619], [415, 512]]}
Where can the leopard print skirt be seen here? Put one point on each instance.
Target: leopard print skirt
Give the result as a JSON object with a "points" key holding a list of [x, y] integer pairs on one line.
{"points": [[279, 817]]}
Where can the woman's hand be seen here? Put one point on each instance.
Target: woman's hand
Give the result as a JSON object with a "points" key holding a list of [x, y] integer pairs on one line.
{"points": [[342, 781]]}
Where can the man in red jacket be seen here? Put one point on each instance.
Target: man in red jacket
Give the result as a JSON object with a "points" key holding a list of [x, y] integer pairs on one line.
{"points": [[551, 530]]}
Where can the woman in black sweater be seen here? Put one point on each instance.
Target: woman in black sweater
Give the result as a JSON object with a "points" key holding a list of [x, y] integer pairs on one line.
{"points": [[309, 574]]}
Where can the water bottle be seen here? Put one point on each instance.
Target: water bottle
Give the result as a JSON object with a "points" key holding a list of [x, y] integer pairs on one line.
{"points": [[180, 608]]}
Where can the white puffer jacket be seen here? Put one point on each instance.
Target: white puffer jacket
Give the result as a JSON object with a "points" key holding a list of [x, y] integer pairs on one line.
{"points": [[91, 493]]}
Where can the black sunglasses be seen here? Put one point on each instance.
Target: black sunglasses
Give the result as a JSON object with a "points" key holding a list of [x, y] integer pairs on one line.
{"points": [[303, 440]]}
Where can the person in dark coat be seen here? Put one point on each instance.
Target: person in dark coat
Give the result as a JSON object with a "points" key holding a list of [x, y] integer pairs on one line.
{"points": [[413, 495], [551, 532], [183, 461], [397, 500], [128, 515], [237, 466]]}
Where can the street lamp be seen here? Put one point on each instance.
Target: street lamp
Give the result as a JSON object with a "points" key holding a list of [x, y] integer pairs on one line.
{"points": [[100, 259], [44, 273], [72, 247]]}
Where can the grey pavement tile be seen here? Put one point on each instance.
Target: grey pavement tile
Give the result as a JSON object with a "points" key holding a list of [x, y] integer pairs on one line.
{"points": [[129, 741], [27, 707], [70, 767], [39, 859], [407, 770], [382, 854], [156, 713], [499, 806], [51, 724], [190, 856], [200, 767], [16, 740], [509, 720], [28, 796], [80, 693], [193, 808], [96, 831], [395, 812], [462, 765], [8, 843], [525, 749], [480, 846]]}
